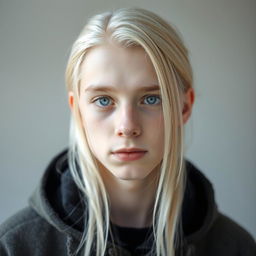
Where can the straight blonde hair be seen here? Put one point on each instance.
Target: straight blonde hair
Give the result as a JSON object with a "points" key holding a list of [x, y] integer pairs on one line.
{"points": [[133, 27]]}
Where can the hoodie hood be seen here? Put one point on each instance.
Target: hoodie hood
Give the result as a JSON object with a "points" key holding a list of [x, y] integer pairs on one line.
{"points": [[58, 200], [44, 198]]}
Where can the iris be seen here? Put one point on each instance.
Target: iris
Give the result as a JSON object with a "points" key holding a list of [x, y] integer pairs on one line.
{"points": [[152, 100]]}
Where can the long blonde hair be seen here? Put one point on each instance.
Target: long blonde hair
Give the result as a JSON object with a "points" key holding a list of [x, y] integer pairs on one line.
{"points": [[131, 27]]}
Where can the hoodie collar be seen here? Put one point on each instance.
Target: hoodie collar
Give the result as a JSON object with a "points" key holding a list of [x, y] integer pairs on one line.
{"points": [[58, 200]]}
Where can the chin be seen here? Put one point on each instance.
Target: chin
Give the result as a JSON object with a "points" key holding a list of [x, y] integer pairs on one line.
{"points": [[126, 177], [130, 175]]}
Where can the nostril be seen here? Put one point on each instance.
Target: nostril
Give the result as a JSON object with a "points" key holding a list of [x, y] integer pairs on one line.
{"points": [[135, 133], [128, 132]]}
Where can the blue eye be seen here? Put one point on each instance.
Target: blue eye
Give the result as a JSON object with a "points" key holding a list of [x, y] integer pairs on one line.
{"points": [[152, 100], [103, 101]]}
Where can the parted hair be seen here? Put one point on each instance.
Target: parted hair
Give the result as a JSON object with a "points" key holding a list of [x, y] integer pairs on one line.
{"points": [[133, 27]]}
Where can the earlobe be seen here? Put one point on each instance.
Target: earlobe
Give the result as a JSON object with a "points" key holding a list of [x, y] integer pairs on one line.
{"points": [[189, 98], [71, 100]]}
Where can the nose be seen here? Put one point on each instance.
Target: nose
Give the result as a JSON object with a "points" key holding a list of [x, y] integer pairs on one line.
{"points": [[124, 132], [128, 123]]}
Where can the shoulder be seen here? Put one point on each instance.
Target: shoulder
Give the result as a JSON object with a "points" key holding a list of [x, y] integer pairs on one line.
{"points": [[25, 232], [234, 230], [229, 237], [18, 221]]}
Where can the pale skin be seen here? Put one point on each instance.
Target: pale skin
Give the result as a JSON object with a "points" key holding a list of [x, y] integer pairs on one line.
{"points": [[120, 104]]}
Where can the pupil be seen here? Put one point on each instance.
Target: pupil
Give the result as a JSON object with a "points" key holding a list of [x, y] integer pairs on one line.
{"points": [[151, 99], [104, 101]]}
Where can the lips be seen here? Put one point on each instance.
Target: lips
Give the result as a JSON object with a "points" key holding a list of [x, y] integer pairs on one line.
{"points": [[129, 154], [129, 150]]}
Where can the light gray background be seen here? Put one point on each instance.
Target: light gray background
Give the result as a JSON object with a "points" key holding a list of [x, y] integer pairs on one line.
{"points": [[35, 39]]}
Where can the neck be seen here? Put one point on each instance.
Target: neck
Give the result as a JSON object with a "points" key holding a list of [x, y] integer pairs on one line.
{"points": [[131, 201]]}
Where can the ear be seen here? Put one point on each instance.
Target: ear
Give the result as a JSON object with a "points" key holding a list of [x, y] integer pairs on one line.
{"points": [[71, 100], [188, 101]]}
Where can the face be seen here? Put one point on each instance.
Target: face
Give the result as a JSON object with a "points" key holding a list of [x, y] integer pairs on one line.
{"points": [[121, 110]]}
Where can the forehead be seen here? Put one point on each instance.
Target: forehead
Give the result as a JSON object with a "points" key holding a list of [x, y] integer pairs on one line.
{"points": [[117, 66]]}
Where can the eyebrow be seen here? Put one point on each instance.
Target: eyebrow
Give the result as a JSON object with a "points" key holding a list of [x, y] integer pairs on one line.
{"points": [[107, 88]]}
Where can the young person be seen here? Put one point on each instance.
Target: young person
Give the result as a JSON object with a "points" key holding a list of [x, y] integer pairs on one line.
{"points": [[123, 186]]}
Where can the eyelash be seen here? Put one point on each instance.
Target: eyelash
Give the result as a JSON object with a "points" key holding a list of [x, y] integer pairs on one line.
{"points": [[158, 99]]}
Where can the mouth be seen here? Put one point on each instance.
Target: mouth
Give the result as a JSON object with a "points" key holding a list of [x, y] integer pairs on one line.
{"points": [[129, 154]]}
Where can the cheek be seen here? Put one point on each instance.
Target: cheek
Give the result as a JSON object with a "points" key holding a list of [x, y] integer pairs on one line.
{"points": [[156, 132], [94, 135], [156, 123], [96, 128], [89, 118]]}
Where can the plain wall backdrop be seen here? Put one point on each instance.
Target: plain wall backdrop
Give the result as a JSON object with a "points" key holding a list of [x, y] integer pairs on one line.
{"points": [[35, 40]]}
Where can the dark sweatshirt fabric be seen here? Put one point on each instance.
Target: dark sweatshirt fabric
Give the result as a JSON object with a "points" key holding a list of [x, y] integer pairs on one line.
{"points": [[53, 222]]}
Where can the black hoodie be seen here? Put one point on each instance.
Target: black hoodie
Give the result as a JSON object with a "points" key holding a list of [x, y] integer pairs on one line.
{"points": [[52, 224]]}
